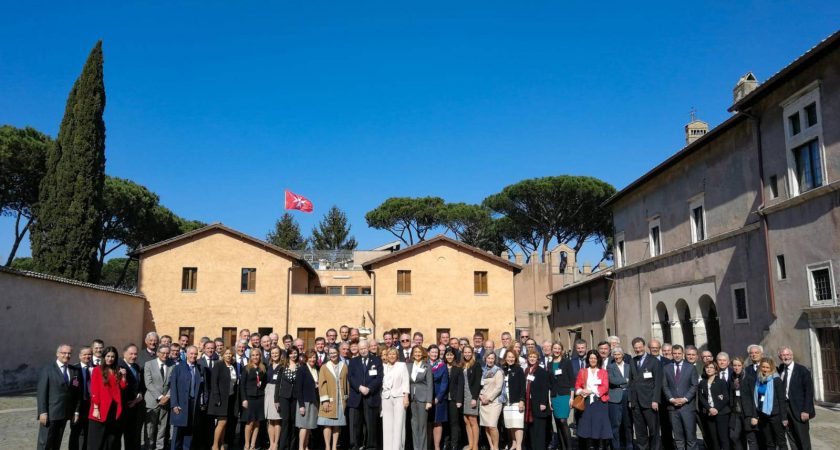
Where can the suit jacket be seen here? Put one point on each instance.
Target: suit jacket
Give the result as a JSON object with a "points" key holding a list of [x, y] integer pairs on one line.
{"points": [[800, 392], [306, 388], [663, 360], [719, 393], [57, 398], [252, 383], [741, 395], [285, 388], [156, 386], [401, 354], [646, 384], [206, 370], [133, 385], [619, 381], [370, 376], [603, 388], [103, 396], [515, 383], [561, 376], [220, 385], [685, 387], [84, 389], [328, 388], [456, 384], [539, 393], [422, 388], [181, 381], [575, 361], [474, 380], [750, 369], [144, 356]]}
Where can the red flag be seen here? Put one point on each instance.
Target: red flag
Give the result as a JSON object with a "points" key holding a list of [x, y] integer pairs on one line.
{"points": [[298, 202]]}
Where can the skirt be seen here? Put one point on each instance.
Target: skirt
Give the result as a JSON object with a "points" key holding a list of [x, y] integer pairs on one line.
{"points": [[489, 414], [271, 412], [309, 421], [340, 421], [468, 410], [560, 404], [514, 419], [595, 421], [439, 412], [255, 410]]}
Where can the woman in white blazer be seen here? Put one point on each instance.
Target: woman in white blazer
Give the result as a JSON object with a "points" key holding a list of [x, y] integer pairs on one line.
{"points": [[395, 390]]}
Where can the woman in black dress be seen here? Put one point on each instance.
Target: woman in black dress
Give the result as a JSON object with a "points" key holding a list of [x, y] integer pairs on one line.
{"points": [[223, 390], [284, 396], [537, 410], [252, 391], [456, 398], [714, 407], [744, 418]]}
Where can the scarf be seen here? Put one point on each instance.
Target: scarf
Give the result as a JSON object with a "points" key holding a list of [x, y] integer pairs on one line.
{"points": [[529, 416], [765, 387]]}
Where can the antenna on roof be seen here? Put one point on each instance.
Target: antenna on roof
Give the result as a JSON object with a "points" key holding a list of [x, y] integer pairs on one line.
{"points": [[693, 114]]}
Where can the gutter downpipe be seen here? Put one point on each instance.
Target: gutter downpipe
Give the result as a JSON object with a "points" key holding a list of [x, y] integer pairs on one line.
{"points": [[770, 290], [288, 294]]}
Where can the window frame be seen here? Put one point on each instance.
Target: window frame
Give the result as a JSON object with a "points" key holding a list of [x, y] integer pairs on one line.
{"points": [[654, 222], [734, 287], [620, 250], [401, 282], [357, 288], [481, 281], [248, 277], [330, 290], [810, 269], [781, 267], [796, 104], [193, 279], [696, 202]]}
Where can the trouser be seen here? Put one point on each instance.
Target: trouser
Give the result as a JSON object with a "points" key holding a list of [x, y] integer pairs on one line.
{"points": [[536, 432], [622, 426], [666, 432], [646, 425], [287, 422], [419, 422], [50, 435], [182, 438], [455, 421], [366, 414], [104, 435], [78, 430], [798, 432], [742, 434], [771, 431], [718, 427], [684, 427], [157, 423], [393, 423], [131, 420]]}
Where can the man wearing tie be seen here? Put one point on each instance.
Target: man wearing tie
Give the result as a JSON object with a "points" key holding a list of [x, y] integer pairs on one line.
{"points": [[156, 376], [725, 373], [185, 391], [799, 399], [204, 424], [365, 378], [756, 352], [645, 394], [98, 346], [78, 430], [404, 347], [320, 354], [680, 388], [131, 419], [604, 351], [58, 399]]}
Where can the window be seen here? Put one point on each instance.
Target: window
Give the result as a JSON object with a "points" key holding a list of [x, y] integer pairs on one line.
{"points": [[366, 290], [781, 271], [403, 281], [655, 237], [189, 278], [480, 282], [264, 330], [333, 290], [229, 336], [803, 137], [698, 220], [189, 331], [820, 284], [484, 332], [739, 303], [319, 290], [351, 290], [308, 336], [249, 280], [774, 186], [620, 255], [808, 166]]}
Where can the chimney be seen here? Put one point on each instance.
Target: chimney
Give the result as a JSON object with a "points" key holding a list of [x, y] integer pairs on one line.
{"points": [[695, 129], [519, 258], [505, 255], [745, 85], [587, 268]]}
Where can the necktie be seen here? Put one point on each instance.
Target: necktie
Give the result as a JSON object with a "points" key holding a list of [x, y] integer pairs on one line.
{"points": [[580, 360], [785, 380], [192, 380], [724, 376], [161, 372], [364, 362], [66, 376], [677, 376]]}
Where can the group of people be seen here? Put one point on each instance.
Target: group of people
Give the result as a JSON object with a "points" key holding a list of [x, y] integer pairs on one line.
{"points": [[401, 393]]}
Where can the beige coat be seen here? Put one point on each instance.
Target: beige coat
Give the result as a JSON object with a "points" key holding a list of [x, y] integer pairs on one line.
{"points": [[328, 389]]}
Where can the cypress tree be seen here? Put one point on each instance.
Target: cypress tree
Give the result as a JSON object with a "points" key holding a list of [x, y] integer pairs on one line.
{"points": [[68, 217]]}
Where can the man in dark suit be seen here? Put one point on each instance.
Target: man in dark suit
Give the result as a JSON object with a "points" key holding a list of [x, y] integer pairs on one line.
{"points": [[478, 346], [799, 399], [58, 398], [365, 378], [203, 436], [131, 418], [78, 430], [680, 388], [655, 347], [755, 352], [404, 348], [579, 356], [320, 352], [186, 389], [725, 372], [645, 394]]}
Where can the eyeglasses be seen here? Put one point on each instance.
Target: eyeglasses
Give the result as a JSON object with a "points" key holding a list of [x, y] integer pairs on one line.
{"points": [[405, 340]]}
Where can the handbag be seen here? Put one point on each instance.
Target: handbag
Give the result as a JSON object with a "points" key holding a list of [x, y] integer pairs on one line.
{"points": [[579, 403]]}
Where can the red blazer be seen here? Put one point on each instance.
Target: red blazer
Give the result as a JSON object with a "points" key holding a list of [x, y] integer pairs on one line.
{"points": [[101, 395], [603, 388]]}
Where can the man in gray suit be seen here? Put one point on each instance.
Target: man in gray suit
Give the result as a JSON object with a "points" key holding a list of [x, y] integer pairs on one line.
{"points": [[620, 372], [156, 375], [680, 386]]}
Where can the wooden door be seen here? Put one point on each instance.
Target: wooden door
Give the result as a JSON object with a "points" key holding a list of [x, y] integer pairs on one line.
{"points": [[308, 336], [830, 356]]}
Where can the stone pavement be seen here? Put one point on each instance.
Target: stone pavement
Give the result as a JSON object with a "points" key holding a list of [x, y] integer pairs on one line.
{"points": [[19, 427]]}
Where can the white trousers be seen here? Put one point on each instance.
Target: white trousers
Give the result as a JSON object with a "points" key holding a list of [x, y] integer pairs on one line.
{"points": [[393, 424]]}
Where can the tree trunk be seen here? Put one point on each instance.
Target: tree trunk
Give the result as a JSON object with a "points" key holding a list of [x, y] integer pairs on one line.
{"points": [[123, 272], [19, 234]]}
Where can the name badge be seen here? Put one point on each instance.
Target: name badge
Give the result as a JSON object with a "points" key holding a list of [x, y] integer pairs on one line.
{"points": [[372, 372], [421, 370], [737, 392], [597, 382], [761, 399], [274, 377], [558, 371], [483, 381], [530, 378], [647, 375]]}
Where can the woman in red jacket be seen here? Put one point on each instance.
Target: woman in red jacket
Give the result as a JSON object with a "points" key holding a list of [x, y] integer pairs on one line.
{"points": [[106, 382], [593, 383]]}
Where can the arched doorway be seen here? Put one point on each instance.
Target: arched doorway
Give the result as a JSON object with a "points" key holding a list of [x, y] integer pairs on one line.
{"points": [[712, 322], [686, 324], [664, 322]]}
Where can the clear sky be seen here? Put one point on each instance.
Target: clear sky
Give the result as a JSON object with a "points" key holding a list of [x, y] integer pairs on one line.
{"points": [[219, 106]]}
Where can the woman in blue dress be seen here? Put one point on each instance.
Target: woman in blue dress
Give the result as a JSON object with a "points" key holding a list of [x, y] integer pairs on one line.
{"points": [[439, 413]]}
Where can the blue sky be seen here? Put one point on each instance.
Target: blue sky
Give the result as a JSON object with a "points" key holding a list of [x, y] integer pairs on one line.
{"points": [[219, 106]]}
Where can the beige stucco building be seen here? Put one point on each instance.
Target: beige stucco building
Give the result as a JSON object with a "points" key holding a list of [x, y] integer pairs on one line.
{"points": [[215, 281]]}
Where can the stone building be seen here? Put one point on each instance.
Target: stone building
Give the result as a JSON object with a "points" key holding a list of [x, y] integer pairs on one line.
{"points": [[735, 239], [215, 280]]}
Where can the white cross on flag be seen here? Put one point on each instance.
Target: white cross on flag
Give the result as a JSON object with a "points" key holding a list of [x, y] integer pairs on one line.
{"points": [[298, 202]]}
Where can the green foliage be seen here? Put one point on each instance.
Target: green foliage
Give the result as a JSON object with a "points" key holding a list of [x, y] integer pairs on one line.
{"points": [[67, 228], [566, 208], [407, 218], [128, 217], [333, 232], [185, 226], [286, 234], [24, 263], [473, 225], [120, 273], [23, 157]]}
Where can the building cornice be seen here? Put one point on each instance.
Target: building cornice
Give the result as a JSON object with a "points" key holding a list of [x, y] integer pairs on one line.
{"points": [[800, 199]]}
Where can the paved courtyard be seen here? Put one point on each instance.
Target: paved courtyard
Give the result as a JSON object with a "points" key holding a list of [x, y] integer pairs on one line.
{"points": [[18, 427]]}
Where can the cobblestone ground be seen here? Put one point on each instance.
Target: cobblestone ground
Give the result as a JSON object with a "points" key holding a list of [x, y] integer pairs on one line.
{"points": [[19, 428]]}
